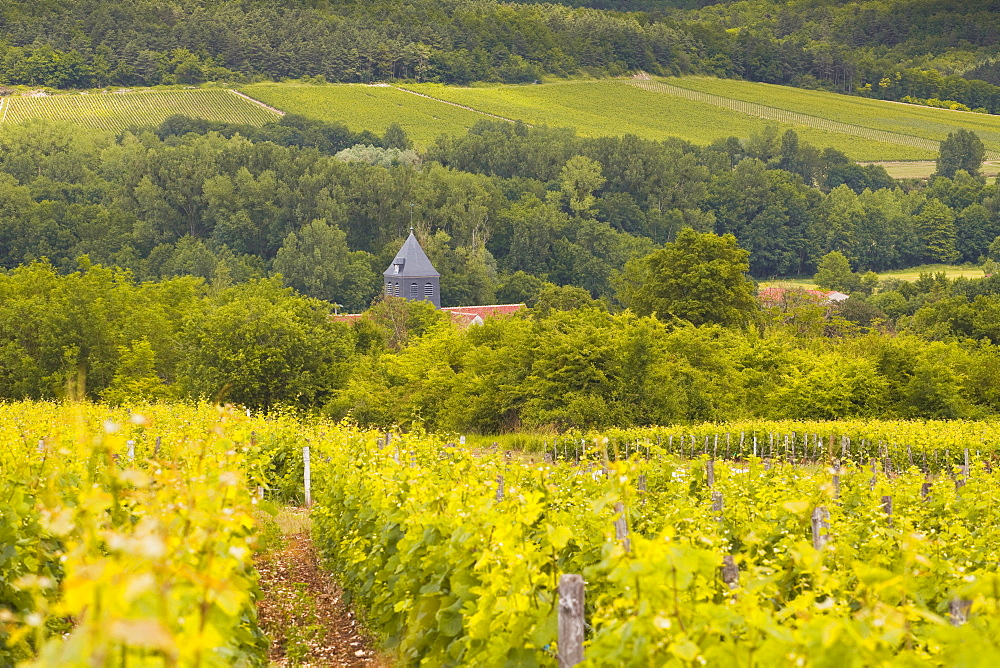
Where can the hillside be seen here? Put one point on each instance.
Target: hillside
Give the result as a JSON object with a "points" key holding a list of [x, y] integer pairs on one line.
{"points": [[881, 48], [365, 107], [148, 108], [697, 109]]}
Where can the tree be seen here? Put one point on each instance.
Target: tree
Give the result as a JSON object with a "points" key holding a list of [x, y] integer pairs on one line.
{"points": [[261, 345], [520, 287], [314, 260], [834, 273], [701, 277], [579, 178], [936, 231], [962, 149], [317, 263], [396, 137]]}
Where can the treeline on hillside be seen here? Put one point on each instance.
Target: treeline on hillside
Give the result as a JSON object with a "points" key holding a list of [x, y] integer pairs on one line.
{"points": [[501, 211], [99, 42], [566, 363], [889, 49], [290, 130], [884, 48]]}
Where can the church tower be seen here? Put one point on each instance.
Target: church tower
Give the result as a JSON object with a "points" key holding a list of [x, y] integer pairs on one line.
{"points": [[411, 274]]}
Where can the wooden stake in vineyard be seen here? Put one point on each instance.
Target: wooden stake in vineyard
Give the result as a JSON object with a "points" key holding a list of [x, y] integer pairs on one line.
{"points": [[820, 527], [730, 572], [958, 611], [307, 474], [571, 620], [621, 526]]}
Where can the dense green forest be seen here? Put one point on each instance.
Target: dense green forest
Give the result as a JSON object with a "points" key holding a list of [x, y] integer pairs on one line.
{"points": [[566, 363], [922, 49], [300, 198], [203, 260], [154, 264]]}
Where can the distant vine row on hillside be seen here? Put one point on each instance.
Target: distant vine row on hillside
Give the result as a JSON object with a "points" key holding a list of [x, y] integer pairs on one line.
{"points": [[117, 111], [795, 118]]}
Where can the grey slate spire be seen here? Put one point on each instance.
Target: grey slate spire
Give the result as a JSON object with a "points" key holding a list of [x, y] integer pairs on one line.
{"points": [[411, 274]]}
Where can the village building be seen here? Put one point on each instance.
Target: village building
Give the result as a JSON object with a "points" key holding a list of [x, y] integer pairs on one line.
{"points": [[411, 275], [784, 297]]}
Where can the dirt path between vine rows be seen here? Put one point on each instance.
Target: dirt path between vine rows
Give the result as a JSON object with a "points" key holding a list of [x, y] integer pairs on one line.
{"points": [[303, 613]]}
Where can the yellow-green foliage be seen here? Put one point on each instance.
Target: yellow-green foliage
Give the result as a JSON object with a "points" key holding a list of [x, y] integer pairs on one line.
{"points": [[112, 561], [149, 557], [454, 573], [148, 108]]}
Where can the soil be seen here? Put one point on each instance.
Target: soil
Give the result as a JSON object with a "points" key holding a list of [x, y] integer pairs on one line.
{"points": [[303, 613]]}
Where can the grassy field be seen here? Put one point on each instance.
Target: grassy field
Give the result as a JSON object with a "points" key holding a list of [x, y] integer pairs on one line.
{"points": [[117, 111], [922, 169], [907, 119], [911, 274], [363, 107]]}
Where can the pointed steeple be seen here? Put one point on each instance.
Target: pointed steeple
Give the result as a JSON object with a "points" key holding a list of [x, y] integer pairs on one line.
{"points": [[412, 275]]}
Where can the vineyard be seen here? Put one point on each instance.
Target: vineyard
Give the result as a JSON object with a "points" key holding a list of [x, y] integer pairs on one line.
{"points": [[372, 108], [584, 105], [893, 117], [697, 109], [120, 110], [128, 537], [787, 117], [600, 108]]}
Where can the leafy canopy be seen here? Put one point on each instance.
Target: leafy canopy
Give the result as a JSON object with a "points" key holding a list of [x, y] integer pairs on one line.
{"points": [[701, 278], [962, 149]]}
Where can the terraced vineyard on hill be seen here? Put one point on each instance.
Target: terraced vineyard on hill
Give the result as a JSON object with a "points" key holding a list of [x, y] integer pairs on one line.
{"points": [[699, 110], [901, 122], [147, 108], [364, 107], [598, 108]]}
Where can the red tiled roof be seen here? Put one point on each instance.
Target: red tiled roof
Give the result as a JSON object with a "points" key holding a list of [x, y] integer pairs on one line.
{"points": [[461, 315], [775, 295], [463, 319], [486, 311]]}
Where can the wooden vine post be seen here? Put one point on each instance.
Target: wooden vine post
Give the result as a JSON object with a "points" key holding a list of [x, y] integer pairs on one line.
{"points": [[307, 474], [730, 572], [958, 611], [621, 526], [717, 505], [820, 527], [571, 622]]}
